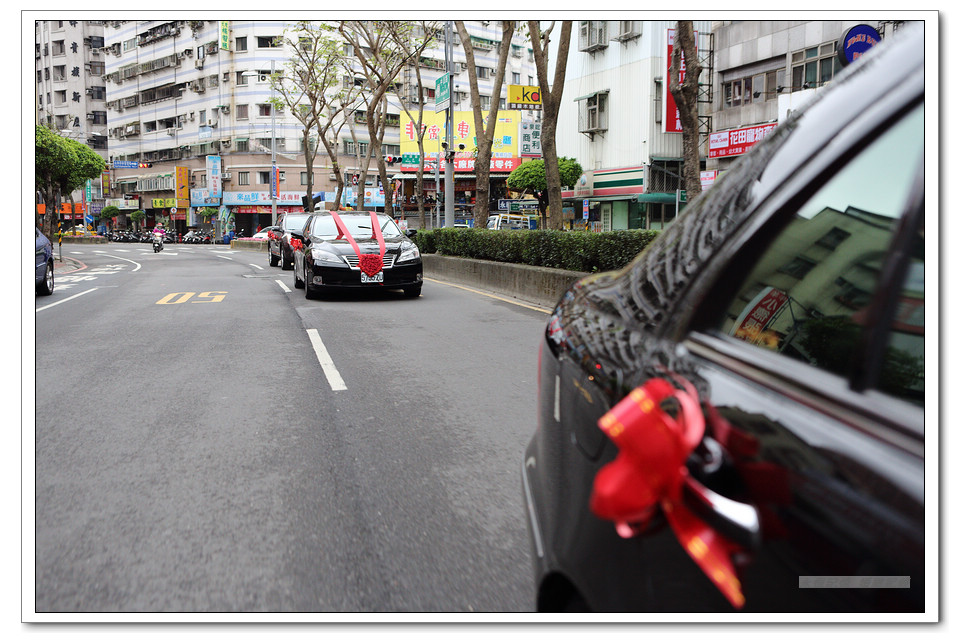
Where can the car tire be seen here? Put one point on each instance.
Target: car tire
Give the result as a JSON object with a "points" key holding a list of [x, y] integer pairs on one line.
{"points": [[273, 260], [309, 291], [46, 286], [413, 291], [285, 264], [297, 282]]}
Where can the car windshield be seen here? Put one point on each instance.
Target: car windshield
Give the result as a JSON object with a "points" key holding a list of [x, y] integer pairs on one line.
{"points": [[358, 225], [295, 222]]}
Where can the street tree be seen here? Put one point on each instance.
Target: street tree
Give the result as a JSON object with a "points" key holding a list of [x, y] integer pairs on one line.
{"points": [[531, 177], [305, 84], [550, 98], [61, 166], [110, 212], [685, 91], [418, 129], [137, 216], [375, 46], [485, 132]]}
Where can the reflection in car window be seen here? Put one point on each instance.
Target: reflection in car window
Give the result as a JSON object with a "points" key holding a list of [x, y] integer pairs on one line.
{"points": [[806, 294], [902, 372]]}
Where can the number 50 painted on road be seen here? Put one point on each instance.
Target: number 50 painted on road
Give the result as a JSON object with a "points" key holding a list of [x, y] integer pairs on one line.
{"points": [[203, 298]]}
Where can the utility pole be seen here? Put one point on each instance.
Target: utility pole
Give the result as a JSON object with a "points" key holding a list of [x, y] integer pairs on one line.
{"points": [[275, 176], [448, 174]]}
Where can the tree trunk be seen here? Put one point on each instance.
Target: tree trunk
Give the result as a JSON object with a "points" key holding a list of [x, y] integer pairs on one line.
{"points": [[685, 94], [550, 97]]}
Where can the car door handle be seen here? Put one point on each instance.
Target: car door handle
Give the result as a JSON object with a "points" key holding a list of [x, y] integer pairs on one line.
{"points": [[738, 521]]}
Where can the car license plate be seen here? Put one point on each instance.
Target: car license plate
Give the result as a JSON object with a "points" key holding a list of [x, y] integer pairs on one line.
{"points": [[367, 279]]}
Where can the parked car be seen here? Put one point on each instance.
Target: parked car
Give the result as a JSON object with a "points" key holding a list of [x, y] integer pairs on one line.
{"points": [[735, 420], [511, 222], [279, 250], [44, 264], [264, 234], [325, 259]]}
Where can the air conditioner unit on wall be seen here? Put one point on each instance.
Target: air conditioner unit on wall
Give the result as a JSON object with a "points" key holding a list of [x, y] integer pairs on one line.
{"points": [[226, 176]]}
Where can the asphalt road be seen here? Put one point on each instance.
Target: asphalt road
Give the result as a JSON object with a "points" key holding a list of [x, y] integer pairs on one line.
{"points": [[192, 454]]}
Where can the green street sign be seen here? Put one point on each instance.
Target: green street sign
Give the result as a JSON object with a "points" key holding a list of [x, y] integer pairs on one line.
{"points": [[442, 93]]}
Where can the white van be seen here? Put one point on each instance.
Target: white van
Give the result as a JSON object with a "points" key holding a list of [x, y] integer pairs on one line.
{"points": [[510, 222]]}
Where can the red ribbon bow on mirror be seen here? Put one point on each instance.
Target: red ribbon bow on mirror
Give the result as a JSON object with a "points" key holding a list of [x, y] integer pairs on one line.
{"points": [[650, 472], [370, 264]]}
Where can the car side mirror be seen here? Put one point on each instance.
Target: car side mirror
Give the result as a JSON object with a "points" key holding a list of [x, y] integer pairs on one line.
{"points": [[411, 233]]}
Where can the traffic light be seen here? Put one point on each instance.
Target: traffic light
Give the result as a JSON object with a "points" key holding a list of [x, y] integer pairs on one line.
{"points": [[142, 165]]}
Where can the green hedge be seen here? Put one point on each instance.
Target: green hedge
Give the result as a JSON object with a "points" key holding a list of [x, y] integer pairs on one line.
{"points": [[567, 250]]}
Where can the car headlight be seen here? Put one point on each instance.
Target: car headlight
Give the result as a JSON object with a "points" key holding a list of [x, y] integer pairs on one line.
{"points": [[408, 252], [324, 256]]}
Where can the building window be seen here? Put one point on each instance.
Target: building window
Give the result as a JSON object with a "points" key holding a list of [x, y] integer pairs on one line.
{"points": [[593, 112], [263, 109], [242, 145], [814, 66], [263, 178], [243, 112], [484, 102], [267, 41], [516, 78], [593, 34], [629, 29], [241, 43], [798, 267], [242, 78], [243, 178], [832, 239], [59, 73], [57, 48], [303, 179]]}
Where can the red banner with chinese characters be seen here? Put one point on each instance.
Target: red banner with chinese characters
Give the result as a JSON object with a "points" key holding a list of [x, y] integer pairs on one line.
{"points": [[737, 141]]}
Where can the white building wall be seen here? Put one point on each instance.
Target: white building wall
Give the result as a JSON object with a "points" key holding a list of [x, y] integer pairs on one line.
{"points": [[628, 70]]}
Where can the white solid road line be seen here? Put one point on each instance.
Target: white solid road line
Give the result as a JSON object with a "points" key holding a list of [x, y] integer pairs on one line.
{"points": [[255, 266], [326, 362], [63, 300], [283, 285]]}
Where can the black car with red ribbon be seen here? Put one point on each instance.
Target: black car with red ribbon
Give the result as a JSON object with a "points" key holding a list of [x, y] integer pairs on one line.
{"points": [[279, 250], [355, 250], [734, 422]]}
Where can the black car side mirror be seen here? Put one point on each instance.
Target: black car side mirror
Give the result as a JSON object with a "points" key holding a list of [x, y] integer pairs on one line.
{"points": [[411, 233]]}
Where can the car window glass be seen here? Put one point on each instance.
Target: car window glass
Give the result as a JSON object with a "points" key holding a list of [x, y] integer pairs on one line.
{"points": [[902, 371], [806, 293], [359, 227]]}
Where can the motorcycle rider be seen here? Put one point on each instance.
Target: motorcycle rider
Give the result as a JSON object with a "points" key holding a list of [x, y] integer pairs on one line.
{"points": [[158, 234]]}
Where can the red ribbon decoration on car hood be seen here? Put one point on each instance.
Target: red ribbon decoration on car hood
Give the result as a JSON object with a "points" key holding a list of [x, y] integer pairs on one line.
{"points": [[650, 471], [369, 264]]}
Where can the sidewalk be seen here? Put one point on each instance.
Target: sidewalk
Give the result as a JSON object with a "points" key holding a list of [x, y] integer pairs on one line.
{"points": [[67, 265]]}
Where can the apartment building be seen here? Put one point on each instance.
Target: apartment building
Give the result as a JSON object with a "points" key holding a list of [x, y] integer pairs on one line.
{"points": [[765, 69], [191, 99], [614, 122], [71, 95]]}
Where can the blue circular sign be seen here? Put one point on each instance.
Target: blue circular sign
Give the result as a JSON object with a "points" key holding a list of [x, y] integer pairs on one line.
{"points": [[855, 42]]}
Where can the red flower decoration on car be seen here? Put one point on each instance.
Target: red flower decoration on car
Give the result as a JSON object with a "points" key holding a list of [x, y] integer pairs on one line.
{"points": [[650, 472], [296, 244], [371, 264]]}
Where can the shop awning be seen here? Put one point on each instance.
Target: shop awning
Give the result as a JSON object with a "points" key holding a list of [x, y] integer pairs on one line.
{"points": [[646, 197], [591, 95], [657, 197]]}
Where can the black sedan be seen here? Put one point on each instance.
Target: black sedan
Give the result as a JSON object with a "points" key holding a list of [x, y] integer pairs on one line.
{"points": [[339, 250], [44, 264], [735, 421], [279, 250]]}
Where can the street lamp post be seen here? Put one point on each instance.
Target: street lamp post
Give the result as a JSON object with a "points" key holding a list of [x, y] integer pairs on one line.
{"points": [[275, 176]]}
